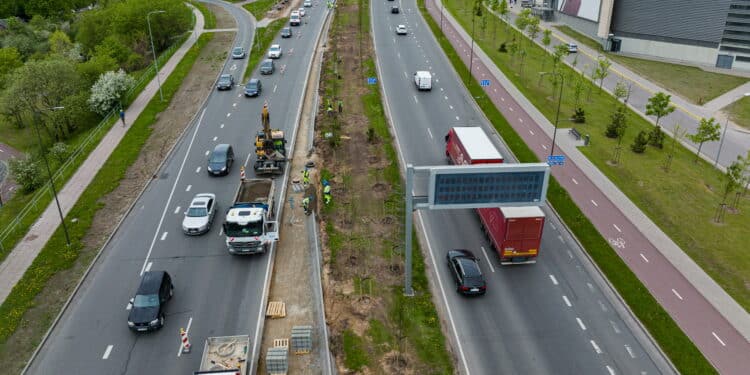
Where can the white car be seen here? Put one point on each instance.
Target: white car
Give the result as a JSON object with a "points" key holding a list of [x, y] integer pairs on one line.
{"points": [[295, 13], [572, 48], [301, 12], [401, 30], [307, 4], [200, 214], [274, 52]]}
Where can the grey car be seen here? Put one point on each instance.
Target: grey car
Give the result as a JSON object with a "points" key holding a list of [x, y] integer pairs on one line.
{"points": [[200, 215], [226, 81], [267, 67], [238, 53]]}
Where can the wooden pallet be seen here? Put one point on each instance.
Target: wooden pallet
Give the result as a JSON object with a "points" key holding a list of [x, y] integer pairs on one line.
{"points": [[301, 351], [276, 309], [281, 343]]}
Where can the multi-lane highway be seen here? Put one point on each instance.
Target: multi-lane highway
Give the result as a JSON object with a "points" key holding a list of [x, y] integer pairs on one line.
{"points": [[215, 293], [557, 316]]}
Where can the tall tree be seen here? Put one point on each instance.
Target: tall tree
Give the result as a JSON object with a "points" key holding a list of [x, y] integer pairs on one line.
{"points": [[659, 106], [708, 131], [602, 71]]}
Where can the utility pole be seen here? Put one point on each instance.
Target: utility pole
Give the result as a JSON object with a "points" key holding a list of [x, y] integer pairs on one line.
{"points": [[153, 50]]}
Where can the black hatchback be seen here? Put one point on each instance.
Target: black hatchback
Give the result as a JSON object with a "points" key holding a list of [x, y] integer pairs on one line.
{"points": [[253, 87], [221, 160], [147, 307], [465, 269]]}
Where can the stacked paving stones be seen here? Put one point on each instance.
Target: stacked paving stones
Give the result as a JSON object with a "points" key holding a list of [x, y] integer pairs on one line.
{"points": [[301, 339]]}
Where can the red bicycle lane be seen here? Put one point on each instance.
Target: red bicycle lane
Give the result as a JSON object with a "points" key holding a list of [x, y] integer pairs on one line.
{"points": [[717, 339]]}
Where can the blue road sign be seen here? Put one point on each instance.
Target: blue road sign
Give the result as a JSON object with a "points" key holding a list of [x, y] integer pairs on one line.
{"points": [[556, 159], [485, 83], [372, 80]]}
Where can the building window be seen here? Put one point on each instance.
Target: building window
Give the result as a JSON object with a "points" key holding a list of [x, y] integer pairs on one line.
{"points": [[735, 49], [742, 58]]}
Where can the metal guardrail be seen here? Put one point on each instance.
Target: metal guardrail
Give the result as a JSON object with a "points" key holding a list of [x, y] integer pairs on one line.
{"points": [[45, 190]]}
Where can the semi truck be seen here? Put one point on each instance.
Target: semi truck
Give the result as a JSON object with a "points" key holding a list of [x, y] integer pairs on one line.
{"points": [[226, 355], [515, 233], [249, 227]]}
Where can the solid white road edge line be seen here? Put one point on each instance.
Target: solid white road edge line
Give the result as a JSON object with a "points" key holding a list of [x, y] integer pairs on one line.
{"points": [[171, 193]]}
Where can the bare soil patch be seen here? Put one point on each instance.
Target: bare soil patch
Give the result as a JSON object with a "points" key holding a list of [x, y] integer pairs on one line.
{"points": [[224, 20], [167, 129]]}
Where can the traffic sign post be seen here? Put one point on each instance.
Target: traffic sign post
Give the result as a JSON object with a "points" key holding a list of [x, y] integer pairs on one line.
{"points": [[556, 160], [484, 83], [372, 80]]}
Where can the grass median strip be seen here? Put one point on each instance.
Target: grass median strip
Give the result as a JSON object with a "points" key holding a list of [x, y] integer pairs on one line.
{"points": [[259, 8], [56, 256], [263, 38], [677, 346]]}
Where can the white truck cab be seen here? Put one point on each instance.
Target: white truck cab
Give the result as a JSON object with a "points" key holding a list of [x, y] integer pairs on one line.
{"points": [[423, 80]]}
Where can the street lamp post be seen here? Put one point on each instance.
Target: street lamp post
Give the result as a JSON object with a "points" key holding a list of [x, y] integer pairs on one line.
{"points": [[153, 50], [471, 54], [559, 103], [49, 172]]}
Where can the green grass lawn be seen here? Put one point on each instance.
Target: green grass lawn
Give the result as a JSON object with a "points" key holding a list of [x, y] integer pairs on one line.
{"points": [[689, 82], [739, 112], [681, 351], [259, 8]]}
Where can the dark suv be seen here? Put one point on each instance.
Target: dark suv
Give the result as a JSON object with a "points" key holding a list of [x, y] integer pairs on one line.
{"points": [[267, 67], [147, 307], [465, 269], [220, 160]]}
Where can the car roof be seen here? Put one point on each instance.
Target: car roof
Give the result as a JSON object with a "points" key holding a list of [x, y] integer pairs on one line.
{"points": [[200, 200], [461, 253], [151, 282], [275, 46], [469, 266], [266, 61], [254, 80], [223, 147], [238, 47], [225, 76]]}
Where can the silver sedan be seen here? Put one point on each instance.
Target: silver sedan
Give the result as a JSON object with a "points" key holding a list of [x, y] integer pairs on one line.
{"points": [[200, 215]]}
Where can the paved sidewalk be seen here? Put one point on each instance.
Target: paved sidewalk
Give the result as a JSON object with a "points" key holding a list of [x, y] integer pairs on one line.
{"points": [[707, 314], [688, 115], [728, 98], [19, 260]]}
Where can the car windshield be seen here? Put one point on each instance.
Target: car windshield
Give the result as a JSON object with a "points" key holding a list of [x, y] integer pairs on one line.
{"points": [[275, 48], [252, 85], [197, 212], [267, 64], [238, 50], [217, 157], [146, 300], [247, 230], [224, 79]]}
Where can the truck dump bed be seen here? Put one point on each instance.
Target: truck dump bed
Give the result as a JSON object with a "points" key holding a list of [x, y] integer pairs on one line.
{"points": [[255, 190], [227, 353]]}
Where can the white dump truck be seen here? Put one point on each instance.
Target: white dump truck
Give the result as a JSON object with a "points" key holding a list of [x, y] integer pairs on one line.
{"points": [[226, 355], [248, 226]]}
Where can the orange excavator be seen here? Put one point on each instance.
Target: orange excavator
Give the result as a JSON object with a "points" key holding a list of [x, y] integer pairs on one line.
{"points": [[270, 147]]}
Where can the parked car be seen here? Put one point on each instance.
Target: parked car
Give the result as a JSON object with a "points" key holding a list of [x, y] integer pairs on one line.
{"points": [[394, 9], [286, 32], [466, 272], [221, 160], [238, 53], [572, 48], [253, 87], [401, 30], [200, 215], [147, 307], [301, 12], [267, 67], [226, 81], [307, 3], [274, 52]]}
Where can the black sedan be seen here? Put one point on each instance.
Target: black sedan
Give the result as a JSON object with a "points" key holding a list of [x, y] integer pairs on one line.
{"points": [[394, 9], [226, 81], [464, 267], [253, 88]]}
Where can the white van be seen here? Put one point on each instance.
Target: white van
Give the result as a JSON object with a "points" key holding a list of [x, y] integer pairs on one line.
{"points": [[423, 80]]}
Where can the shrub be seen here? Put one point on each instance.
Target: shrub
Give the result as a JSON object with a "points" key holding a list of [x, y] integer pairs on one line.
{"points": [[580, 116], [27, 172], [656, 137], [640, 142]]}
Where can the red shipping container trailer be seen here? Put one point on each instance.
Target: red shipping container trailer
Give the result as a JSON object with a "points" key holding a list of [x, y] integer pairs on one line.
{"points": [[514, 232], [470, 145]]}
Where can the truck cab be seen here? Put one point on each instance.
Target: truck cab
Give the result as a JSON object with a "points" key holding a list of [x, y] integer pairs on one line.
{"points": [[248, 231]]}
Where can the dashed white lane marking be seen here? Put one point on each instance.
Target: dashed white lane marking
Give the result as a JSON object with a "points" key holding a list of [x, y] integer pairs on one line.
{"points": [[229, 114], [187, 330], [441, 89], [574, 181], [176, 210], [2, 151], [644, 258], [445, 97], [552, 226], [611, 370], [511, 109], [221, 232], [415, 99], [614, 327], [630, 351], [591, 287], [405, 76], [520, 119], [570, 255], [457, 118], [274, 88], [430, 133], [580, 323], [164, 236], [495, 90], [107, 351], [148, 266], [596, 347], [215, 138], [544, 147], [677, 294], [197, 170], [398, 54], [559, 237], [592, 201], [532, 133], [451, 107], [602, 305], [207, 152], [502, 99], [718, 338], [616, 227], [488, 260], [188, 187], [554, 280], [234, 104], [567, 301], [221, 126]]}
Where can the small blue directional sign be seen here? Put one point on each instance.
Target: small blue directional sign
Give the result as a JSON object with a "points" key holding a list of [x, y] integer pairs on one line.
{"points": [[372, 80], [485, 83], [556, 159]]}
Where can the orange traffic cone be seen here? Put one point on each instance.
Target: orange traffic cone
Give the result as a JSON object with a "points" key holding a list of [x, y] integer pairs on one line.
{"points": [[242, 173], [185, 341]]}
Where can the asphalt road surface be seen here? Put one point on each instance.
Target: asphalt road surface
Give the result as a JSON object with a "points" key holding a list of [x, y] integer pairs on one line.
{"points": [[555, 317], [216, 294]]}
